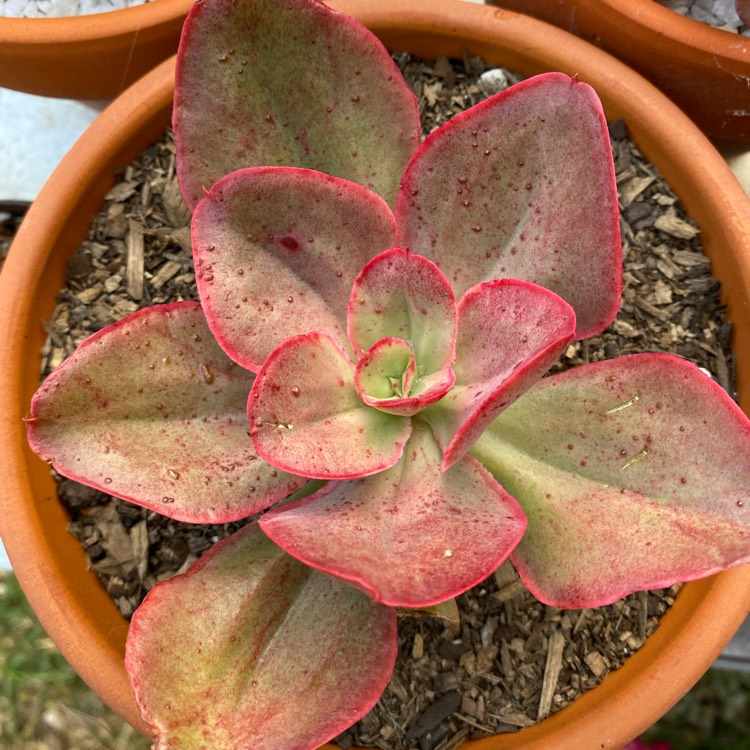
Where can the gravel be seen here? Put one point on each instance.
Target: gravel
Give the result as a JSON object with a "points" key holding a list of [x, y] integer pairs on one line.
{"points": [[719, 13], [57, 8]]}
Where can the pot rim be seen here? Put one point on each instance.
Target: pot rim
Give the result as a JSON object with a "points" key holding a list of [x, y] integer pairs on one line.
{"points": [[660, 20], [660, 672]]}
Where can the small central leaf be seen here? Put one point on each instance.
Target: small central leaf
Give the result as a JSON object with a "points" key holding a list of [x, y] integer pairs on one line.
{"points": [[397, 386], [386, 370], [404, 295], [379, 383]]}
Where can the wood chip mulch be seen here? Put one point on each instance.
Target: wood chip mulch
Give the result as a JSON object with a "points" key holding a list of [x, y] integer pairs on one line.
{"points": [[512, 660], [11, 215]]}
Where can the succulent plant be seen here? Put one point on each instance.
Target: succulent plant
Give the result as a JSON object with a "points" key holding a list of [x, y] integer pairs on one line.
{"points": [[366, 367]]}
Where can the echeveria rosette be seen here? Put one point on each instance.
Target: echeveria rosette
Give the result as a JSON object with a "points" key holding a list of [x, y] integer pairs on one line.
{"points": [[504, 203], [311, 407], [399, 296]]}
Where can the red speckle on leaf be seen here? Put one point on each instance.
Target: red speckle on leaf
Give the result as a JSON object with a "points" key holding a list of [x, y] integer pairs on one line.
{"points": [[289, 243]]}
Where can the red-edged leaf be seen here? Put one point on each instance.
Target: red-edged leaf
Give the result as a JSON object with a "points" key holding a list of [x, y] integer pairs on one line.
{"points": [[305, 412], [409, 536], [743, 10], [634, 473], [250, 649], [384, 378], [509, 334], [151, 410], [288, 83], [276, 253], [521, 186], [404, 295]]}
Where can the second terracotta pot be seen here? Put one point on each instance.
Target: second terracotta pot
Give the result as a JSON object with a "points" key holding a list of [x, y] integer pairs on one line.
{"points": [[93, 56], [51, 565], [703, 69]]}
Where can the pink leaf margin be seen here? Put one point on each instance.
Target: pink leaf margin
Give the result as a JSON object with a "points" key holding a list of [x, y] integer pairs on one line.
{"points": [[217, 587]]}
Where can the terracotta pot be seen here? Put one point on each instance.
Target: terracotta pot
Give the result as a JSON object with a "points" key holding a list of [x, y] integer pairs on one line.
{"points": [[703, 69], [88, 57], [51, 565]]}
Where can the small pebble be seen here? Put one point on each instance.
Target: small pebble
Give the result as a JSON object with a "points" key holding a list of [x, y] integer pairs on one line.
{"points": [[493, 81]]}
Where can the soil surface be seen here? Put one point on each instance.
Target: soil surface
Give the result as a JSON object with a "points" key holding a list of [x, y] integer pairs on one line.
{"points": [[511, 660]]}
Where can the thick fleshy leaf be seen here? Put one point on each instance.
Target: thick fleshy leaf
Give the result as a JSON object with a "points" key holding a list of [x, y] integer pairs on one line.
{"points": [[743, 10], [384, 379], [521, 186], [250, 649], [402, 294], [276, 253], [634, 473], [410, 536], [288, 83], [509, 334], [151, 410], [305, 412]]}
